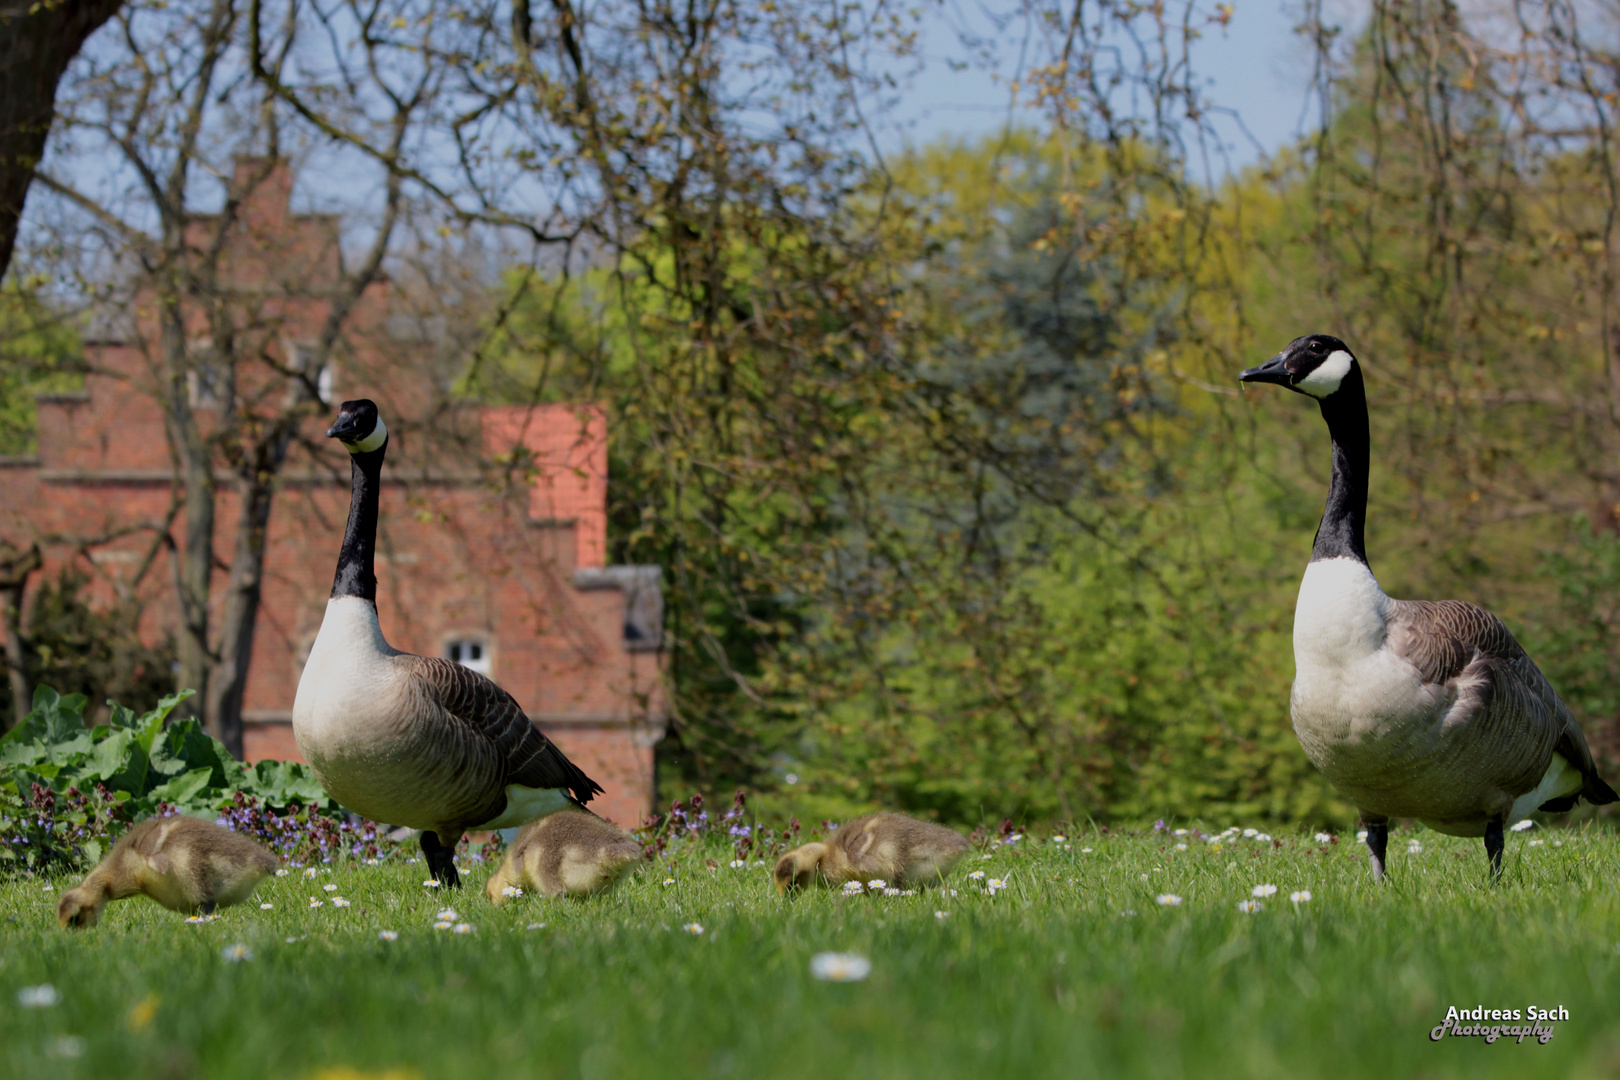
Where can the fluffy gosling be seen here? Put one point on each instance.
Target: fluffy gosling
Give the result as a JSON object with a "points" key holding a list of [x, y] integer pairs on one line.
{"points": [[569, 853], [896, 848], [184, 864]]}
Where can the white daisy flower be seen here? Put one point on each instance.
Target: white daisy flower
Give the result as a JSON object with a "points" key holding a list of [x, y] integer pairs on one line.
{"points": [[310, 872], [462, 928], [1263, 838], [1085, 851], [1168, 900], [1263, 890], [908, 892], [693, 928], [1361, 837], [267, 907], [1059, 839], [1303, 896], [1181, 847], [1250, 832], [877, 883], [1521, 826], [329, 887], [430, 884], [237, 953], [511, 891], [942, 914], [891, 892], [388, 935], [448, 914], [314, 903], [338, 901], [1324, 838], [1179, 832], [853, 887], [201, 918], [1249, 907], [281, 872], [43, 996], [738, 864], [994, 885], [1414, 847], [441, 925], [977, 875], [1537, 843], [669, 881], [840, 967], [46, 887]]}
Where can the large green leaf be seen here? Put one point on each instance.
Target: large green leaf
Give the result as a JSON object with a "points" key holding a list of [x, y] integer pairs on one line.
{"points": [[184, 788]]}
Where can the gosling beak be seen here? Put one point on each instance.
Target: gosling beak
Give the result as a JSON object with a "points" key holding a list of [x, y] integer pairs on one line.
{"points": [[1272, 371]]}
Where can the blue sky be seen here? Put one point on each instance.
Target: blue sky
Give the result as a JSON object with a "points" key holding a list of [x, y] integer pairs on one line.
{"points": [[1259, 67]]}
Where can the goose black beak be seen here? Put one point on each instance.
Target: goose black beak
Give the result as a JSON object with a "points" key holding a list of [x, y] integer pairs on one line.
{"points": [[343, 428], [1272, 371]]}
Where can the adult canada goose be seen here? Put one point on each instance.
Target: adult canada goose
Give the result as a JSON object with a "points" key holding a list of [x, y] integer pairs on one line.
{"points": [[1413, 708], [572, 853], [898, 849], [413, 740], [183, 863]]}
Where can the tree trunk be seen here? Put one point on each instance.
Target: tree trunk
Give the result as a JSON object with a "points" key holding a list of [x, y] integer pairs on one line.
{"points": [[223, 706], [194, 573], [14, 571], [37, 41]]}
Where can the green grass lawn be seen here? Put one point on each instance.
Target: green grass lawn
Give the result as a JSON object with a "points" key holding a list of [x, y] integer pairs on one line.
{"points": [[1073, 969]]}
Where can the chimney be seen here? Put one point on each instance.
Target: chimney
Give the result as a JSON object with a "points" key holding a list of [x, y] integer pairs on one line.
{"points": [[265, 187]]}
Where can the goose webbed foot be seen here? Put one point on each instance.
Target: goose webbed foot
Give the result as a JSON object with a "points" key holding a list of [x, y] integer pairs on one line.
{"points": [[1493, 847], [440, 860], [1377, 845]]}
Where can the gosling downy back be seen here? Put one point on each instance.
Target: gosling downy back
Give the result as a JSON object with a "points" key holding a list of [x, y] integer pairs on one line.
{"points": [[569, 853], [183, 863], [893, 847]]}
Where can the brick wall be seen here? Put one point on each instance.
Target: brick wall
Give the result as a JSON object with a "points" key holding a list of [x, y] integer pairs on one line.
{"points": [[486, 517]]}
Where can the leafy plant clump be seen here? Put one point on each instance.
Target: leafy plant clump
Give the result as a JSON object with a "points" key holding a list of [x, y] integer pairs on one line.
{"points": [[66, 790]]}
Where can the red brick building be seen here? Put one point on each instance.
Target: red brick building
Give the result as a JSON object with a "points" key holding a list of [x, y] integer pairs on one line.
{"points": [[492, 541]]}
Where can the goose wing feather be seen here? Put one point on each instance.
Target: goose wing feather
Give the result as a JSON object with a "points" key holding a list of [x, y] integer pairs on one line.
{"points": [[1471, 658], [491, 715]]}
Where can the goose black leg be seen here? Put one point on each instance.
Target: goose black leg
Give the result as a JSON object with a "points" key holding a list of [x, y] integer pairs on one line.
{"points": [[1493, 847], [440, 860], [207, 907], [1377, 844]]}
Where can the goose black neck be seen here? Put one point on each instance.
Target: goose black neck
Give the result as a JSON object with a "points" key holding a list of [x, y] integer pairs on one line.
{"points": [[356, 568], [1342, 533]]}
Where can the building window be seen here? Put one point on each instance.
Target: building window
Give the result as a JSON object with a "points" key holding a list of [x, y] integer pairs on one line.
{"points": [[306, 359], [206, 379], [469, 652]]}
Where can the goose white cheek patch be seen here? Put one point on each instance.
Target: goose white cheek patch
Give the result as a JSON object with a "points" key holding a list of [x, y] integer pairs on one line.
{"points": [[1327, 376], [370, 442]]}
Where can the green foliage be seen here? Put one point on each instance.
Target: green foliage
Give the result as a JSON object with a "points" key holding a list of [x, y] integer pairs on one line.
{"points": [[39, 351], [105, 777], [1578, 641], [96, 651]]}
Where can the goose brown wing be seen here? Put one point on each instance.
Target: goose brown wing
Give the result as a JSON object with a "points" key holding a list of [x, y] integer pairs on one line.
{"points": [[493, 716], [1468, 651]]}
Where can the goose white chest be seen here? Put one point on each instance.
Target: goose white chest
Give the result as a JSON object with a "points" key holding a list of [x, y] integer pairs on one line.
{"points": [[1347, 684], [348, 684]]}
